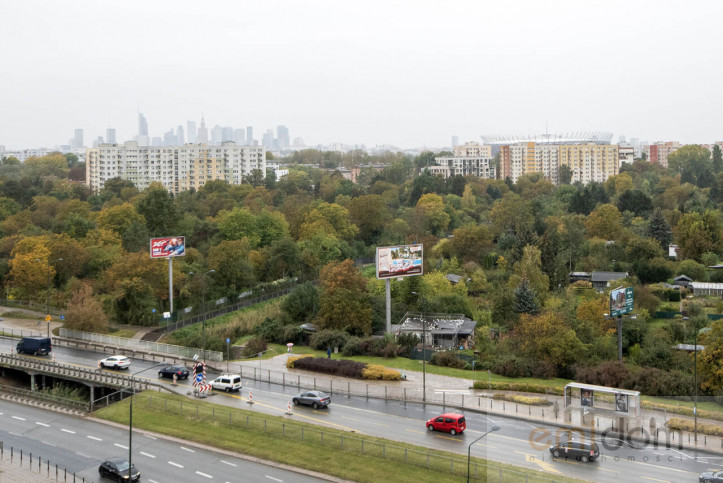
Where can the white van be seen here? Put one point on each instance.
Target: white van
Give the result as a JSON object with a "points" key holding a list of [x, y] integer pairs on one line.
{"points": [[227, 382]]}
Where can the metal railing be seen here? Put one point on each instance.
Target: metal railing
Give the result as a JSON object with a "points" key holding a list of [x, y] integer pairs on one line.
{"points": [[17, 392], [34, 306], [36, 465], [339, 441]]}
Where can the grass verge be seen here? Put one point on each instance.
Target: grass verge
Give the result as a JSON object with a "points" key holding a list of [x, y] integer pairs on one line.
{"points": [[334, 452]]}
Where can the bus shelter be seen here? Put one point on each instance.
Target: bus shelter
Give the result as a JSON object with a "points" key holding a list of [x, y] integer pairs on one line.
{"points": [[619, 405]]}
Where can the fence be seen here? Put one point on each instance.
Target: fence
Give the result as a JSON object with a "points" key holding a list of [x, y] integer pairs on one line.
{"points": [[338, 440], [176, 350], [26, 463], [19, 393], [35, 307], [20, 333]]}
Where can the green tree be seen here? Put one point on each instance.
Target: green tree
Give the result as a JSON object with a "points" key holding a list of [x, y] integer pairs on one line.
{"points": [[543, 338], [370, 214], [717, 163], [84, 312], [659, 228], [255, 178], [525, 299], [693, 163], [344, 301], [511, 214], [234, 272], [605, 222], [302, 304], [529, 268], [710, 360], [698, 233], [157, 207], [431, 214], [470, 242], [565, 174]]}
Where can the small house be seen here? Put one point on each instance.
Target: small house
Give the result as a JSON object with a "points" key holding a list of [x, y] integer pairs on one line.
{"points": [[602, 280], [444, 331]]}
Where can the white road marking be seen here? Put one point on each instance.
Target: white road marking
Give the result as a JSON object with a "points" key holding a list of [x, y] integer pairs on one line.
{"points": [[19, 418], [152, 481], [151, 437], [49, 444], [204, 474], [93, 438], [175, 464], [42, 424], [272, 478], [83, 455], [187, 449], [149, 455], [14, 434], [226, 462], [67, 430], [120, 446]]}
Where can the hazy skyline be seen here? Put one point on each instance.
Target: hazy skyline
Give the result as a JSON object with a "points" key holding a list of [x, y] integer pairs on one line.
{"points": [[406, 73]]}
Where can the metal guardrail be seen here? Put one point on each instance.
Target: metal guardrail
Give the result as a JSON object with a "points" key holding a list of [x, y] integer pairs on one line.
{"points": [[44, 396], [35, 307]]}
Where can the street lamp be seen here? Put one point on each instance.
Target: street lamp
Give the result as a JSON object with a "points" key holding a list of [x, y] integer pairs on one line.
{"points": [[130, 421], [469, 448], [47, 294], [424, 355]]}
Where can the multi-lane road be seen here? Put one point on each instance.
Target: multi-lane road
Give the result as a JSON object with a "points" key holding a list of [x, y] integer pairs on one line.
{"points": [[518, 442]]}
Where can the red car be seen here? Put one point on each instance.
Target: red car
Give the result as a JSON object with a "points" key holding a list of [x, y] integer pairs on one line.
{"points": [[453, 423]]}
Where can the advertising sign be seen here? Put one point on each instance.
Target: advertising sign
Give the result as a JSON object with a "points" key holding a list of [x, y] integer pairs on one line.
{"points": [[621, 301], [621, 403], [168, 247], [587, 398], [399, 261]]}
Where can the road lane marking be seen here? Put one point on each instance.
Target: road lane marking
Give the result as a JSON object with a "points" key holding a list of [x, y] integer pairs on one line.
{"points": [[19, 418], [152, 481], [49, 444], [93, 438], [149, 455], [187, 449], [452, 439], [150, 437], [67, 431], [530, 458], [175, 464], [272, 478], [655, 479], [415, 431], [83, 455], [204, 475], [227, 463], [120, 446], [14, 434], [42, 424]]}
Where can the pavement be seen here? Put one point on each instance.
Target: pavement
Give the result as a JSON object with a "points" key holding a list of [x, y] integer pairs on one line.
{"points": [[12, 472]]}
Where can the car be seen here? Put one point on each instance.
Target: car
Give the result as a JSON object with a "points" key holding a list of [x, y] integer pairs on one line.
{"points": [[711, 477], [169, 371], [315, 399], [227, 382], [117, 469], [115, 362], [453, 423], [34, 345], [580, 450]]}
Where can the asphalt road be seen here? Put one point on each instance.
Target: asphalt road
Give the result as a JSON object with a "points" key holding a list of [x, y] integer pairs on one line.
{"points": [[81, 445], [518, 442]]}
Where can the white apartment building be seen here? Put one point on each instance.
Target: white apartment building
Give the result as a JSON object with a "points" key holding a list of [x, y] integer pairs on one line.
{"points": [[23, 154], [473, 149], [178, 168], [478, 166]]}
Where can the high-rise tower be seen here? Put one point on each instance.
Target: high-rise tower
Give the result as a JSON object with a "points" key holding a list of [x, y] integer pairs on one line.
{"points": [[202, 136]]}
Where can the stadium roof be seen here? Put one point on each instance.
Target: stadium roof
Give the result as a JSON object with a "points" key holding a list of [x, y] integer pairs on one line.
{"points": [[585, 137]]}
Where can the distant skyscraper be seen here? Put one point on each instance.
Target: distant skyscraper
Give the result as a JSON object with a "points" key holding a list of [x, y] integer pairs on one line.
{"points": [[202, 136], [98, 141], [249, 136], [191, 127], [282, 134], [170, 139], [216, 134], [142, 125], [268, 139], [455, 141], [179, 136], [110, 135], [77, 141], [156, 141], [239, 136], [226, 134]]}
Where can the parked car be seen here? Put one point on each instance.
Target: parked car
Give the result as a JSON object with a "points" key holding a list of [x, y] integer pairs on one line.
{"points": [[580, 450], [711, 477], [117, 469], [227, 382], [168, 371], [453, 423], [315, 399], [115, 362], [34, 345]]}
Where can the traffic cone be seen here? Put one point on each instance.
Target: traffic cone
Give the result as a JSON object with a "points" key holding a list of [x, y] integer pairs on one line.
{"points": [[288, 410], [251, 398]]}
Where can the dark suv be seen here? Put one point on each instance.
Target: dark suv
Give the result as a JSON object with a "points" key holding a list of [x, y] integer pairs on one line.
{"points": [[582, 451], [169, 371]]}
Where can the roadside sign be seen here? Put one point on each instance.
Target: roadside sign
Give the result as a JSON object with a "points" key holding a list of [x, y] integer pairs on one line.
{"points": [[199, 378], [228, 340]]}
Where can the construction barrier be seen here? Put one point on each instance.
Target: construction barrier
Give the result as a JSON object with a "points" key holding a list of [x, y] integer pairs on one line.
{"points": [[251, 398], [288, 409]]}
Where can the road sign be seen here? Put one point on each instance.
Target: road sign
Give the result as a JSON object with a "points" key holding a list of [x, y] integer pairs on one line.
{"points": [[228, 340], [48, 318], [199, 378]]}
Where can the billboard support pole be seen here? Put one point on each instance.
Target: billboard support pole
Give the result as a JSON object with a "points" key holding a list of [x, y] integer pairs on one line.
{"points": [[389, 305], [620, 338], [170, 284]]}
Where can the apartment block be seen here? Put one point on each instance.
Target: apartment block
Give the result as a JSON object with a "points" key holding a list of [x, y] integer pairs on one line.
{"points": [[658, 153], [474, 149], [478, 166], [178, 168]]}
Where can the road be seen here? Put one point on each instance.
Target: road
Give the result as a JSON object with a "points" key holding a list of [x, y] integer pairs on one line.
{"points": [[519, 443]]}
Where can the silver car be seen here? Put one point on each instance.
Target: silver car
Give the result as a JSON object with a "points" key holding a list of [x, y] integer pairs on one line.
{"points": [[315, 399]]}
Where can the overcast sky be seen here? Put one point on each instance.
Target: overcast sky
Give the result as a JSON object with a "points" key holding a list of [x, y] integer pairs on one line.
{"points": [[406, 73]]}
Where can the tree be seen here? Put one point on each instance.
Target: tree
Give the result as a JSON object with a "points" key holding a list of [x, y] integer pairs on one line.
{"points": [[370, 214], [84, 312], [302, 304], [710, 360], [511, 214], [693, 163], [119, 218], [255, 178], [529, 268], [344, 301], [470, 242], [158, 209], [565, 174], [604, 222], [543, 338], [717, 163], [636, 202], [525, 299], [431, 215], [698, 233], [659, 229], [233, 269]]}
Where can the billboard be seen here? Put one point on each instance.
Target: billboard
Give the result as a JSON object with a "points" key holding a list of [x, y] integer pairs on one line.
{"points": [[622, 403], [587, 398], [399, 261], [621, 301], [168, 247]]}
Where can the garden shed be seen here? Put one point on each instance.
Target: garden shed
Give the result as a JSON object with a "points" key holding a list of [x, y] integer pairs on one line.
{"points": [[707, 288], [444, 331]]}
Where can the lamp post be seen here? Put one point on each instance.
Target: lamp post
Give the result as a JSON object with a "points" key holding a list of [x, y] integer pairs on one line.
{"points": [[469, 448], [47, 295], [130, 421], [424, 355]]}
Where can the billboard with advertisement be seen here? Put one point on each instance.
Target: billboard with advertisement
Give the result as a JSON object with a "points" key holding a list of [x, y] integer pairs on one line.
{"points": [[622, 402], [172, 246], [621, 301], [587, 397], [399, 261]]}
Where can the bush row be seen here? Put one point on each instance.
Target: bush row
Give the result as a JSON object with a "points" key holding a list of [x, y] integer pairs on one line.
{"points": [[530, 401], [650, 381], [519, 387], [377, 372], [688, 425]]}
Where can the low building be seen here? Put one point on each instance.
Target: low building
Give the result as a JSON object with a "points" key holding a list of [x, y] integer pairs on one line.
{"points": [[707, 288], [442, 331], [602, 280]]}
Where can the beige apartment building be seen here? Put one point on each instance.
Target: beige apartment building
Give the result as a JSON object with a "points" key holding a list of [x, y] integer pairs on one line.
{"points": [[473, 149], [178, 168]]}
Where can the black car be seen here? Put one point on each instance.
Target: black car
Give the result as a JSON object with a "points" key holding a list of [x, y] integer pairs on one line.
{"points": [[582, 451], [117, 469], [315, 399], [711, 477], [168, 371]]}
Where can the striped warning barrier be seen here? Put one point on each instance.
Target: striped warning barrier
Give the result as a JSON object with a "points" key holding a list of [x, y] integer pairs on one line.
{"points": [[288, 409], [251, 398]]}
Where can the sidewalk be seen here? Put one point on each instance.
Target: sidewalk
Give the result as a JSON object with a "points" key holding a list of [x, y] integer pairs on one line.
{"points": [[11, 472]]}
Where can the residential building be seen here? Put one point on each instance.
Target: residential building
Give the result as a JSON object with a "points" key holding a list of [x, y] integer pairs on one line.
{"points": [[473, 149], [626, 153], [178, 168], [658, 153], [477, 166], [23, 154]]}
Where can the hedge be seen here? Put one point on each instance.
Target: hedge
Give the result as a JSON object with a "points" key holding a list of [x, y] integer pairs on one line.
{"points": [[680, 424], [530, 401], [519, 387]]}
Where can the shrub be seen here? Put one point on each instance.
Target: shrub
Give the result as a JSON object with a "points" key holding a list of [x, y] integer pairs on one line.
{"points": [[512, 366], [680, 424], [335, 367], [328, 338], [291, 361], [610, 374], [519, 387], [530, 401], [269, 329], [377, 372], [656, 382], [407, 342], [353, 347], [447, 359], [254, 347], [292, 333]]}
